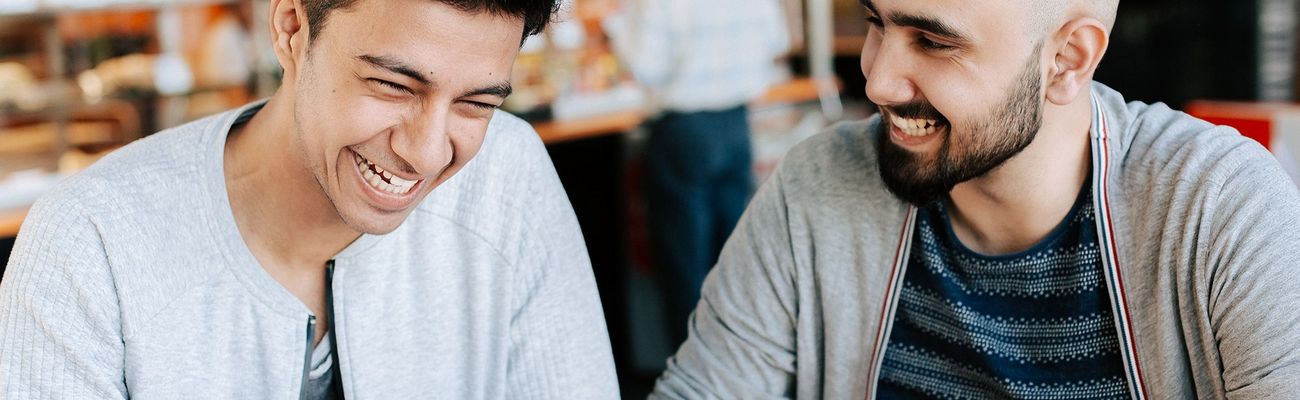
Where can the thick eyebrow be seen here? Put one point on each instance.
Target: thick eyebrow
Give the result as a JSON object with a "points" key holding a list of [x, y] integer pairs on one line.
{"points": [[501, 90], [929, 24], [395, 65], [921, 22]]}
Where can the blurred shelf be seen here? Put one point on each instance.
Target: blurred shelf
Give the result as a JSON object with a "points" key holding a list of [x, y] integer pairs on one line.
{"points": [[10, 19], [796, 90], [10, 221], [13, 10], [562, 131]]}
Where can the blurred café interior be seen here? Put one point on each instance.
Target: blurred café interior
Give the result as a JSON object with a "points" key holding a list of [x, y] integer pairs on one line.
{"points": [[80, 78]]}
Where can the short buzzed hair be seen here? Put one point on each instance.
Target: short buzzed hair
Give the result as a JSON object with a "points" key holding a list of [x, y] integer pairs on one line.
{"points": [[535, 13], [1048, 13]]}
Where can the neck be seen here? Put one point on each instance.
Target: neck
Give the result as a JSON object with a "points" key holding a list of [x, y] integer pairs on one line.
{"points": [[282, 213], [1018, 204]]}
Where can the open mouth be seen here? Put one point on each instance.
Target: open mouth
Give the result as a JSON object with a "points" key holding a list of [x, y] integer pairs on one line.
{"points": [[382, 180], [916, 127]]}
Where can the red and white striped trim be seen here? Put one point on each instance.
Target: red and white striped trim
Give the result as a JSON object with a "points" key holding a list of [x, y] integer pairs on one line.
{"points": [[1101, 163], [889, 305]]}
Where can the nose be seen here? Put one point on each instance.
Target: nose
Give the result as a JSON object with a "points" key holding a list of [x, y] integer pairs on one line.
{"points": [[425, 142], [888, 68]]}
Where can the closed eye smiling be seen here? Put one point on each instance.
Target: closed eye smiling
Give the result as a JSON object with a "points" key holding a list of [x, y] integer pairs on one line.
{"points": [[927, 44], [482, 105], [391, 85]]}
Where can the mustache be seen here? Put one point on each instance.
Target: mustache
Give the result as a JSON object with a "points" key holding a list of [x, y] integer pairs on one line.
{"points": [[915, 110]]}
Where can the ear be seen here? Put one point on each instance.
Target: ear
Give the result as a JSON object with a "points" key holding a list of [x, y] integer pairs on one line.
{"points": [[1079, 46], [289, 35]]}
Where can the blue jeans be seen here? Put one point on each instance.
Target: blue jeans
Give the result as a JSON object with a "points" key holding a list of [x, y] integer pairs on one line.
{"points": [[698, 178]]}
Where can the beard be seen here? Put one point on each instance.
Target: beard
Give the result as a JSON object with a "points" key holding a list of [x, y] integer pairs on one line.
{"points": [[921, 180]]}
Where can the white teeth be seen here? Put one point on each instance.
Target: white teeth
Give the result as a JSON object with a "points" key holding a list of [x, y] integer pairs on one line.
{"points": [[377, 180], [915, 127], [401, 182], [898, 122]]}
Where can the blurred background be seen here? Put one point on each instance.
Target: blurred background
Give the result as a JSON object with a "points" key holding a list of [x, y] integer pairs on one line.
{"points": [[79, 78]]}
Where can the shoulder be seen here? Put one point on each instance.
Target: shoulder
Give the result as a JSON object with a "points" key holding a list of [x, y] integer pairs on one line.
{"points": [[1168, 147], [1166, 138], [1187, 166], [144, 175], [1157, 144], [107, 208]]}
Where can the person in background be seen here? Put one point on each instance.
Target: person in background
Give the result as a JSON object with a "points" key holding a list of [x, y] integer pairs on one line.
{"points": [[376, 229], [1005, 228], [701, 62]]}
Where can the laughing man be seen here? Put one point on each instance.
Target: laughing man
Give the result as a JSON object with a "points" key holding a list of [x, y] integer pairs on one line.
{"points": [[376, 229]]}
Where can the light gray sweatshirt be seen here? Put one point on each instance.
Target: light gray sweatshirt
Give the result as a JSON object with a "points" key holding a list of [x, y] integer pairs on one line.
{"points": [[131, 279], [1198, 224]]}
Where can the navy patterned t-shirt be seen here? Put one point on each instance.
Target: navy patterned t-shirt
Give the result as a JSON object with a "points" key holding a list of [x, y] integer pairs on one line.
{"points": [[1032, 325]]}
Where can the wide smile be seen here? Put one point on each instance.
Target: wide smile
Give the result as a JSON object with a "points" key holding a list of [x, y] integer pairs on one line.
{"points": [[384, 188], [914, 131]]}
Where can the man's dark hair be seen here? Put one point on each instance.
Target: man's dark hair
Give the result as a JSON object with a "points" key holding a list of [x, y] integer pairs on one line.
{"points": [[535, 13]]}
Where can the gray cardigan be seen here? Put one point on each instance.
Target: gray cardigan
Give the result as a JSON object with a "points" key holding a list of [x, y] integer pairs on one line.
{"points": [[1200, 228], [131, 279]]}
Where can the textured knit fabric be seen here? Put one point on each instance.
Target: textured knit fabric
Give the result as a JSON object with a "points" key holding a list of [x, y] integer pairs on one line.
{"points": [[1031, 325], [1203, 226], [700, 55], [131, 279]]}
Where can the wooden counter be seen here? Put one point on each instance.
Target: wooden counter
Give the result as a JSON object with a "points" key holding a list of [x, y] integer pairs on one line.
{"points": [[10, 221], [562, 131], [796, 90]]}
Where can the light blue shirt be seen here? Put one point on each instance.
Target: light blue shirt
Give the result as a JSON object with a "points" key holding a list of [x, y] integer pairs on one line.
{"points": [[696, 55]]}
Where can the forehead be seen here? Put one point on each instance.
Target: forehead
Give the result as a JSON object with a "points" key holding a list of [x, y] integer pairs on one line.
{"points": [[436, 38], [980, 20]]}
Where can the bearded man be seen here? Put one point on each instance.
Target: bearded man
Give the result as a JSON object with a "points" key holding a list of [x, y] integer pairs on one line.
{"points": [[1004, 228]]}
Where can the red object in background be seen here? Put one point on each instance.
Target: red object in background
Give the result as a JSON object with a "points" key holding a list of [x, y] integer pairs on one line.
{"points": [[1275, 125], [1253, 120], [1260, 130]]}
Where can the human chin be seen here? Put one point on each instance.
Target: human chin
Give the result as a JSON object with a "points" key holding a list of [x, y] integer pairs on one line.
{"points": [[370, 199], [914, 177]]}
